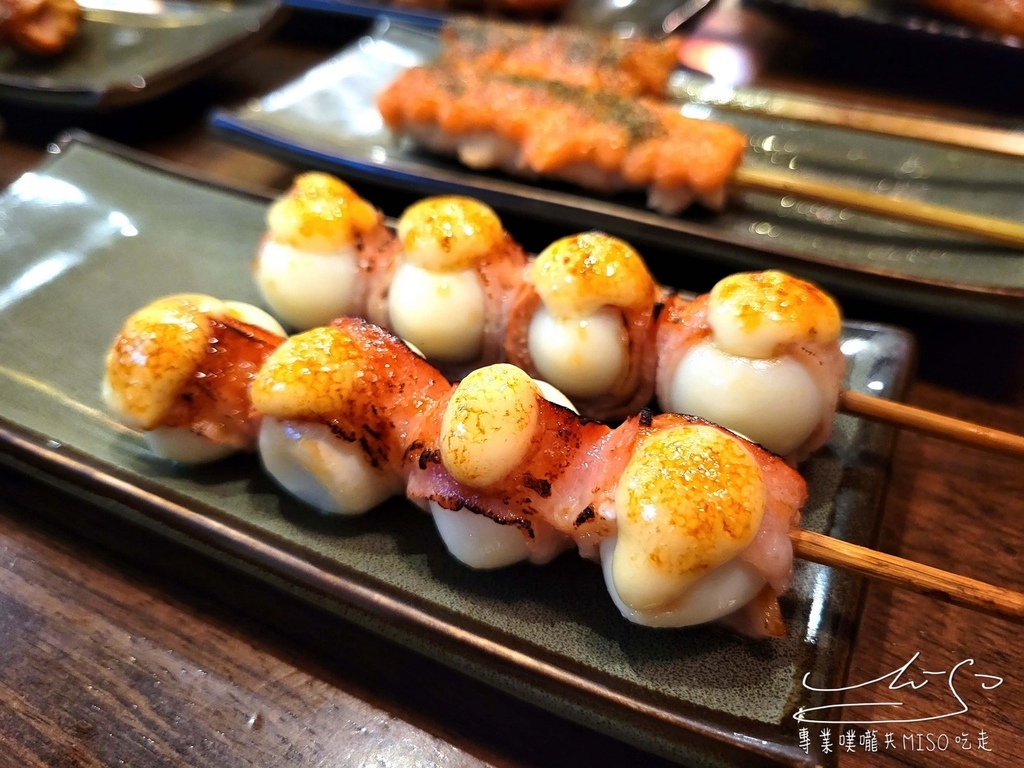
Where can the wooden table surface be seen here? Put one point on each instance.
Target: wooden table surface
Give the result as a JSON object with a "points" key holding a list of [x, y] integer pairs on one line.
{"points": [[120, 648]]}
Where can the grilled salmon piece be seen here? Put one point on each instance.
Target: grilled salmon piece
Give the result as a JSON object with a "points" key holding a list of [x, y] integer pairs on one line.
{"points": [[599, 140], [634, 66]]}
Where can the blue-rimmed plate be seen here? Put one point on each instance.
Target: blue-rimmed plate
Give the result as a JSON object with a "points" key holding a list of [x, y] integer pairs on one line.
{"points": [[367, 9], [95, 232], [328, 118], [645, 15]]}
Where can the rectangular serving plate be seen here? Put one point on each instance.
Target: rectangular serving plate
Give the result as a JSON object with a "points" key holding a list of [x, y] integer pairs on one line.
{"points": [[328, 119], [97, 231]]}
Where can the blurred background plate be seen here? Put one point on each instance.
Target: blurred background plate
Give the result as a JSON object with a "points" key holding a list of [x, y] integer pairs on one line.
{"points": [[328, 119], [905, 17], [130, 51]]}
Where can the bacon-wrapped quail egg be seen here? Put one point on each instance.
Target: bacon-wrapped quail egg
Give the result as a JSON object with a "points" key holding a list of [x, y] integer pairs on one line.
{"points": [[179, 370], [771, 368], [321, 437], [578, 338], [486, 430], [308, 265], [436, 299], [690, 500]]}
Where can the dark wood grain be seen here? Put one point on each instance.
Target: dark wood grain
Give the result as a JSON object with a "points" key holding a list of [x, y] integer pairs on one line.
{"points": [[119, 647], [958, 509]]}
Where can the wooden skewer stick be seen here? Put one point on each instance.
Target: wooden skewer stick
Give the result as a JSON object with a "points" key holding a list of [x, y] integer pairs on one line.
{"points": [[988, 227], [934, 582], [907, 126], [700, 89], [937, 425]]}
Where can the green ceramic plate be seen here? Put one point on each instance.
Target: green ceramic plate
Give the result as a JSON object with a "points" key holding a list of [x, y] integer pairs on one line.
{"points": [[328, 118], [95, 233], [129, 51]]}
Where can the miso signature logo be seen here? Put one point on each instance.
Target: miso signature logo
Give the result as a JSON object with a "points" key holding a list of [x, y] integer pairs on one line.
{"points": [[907, 676]]}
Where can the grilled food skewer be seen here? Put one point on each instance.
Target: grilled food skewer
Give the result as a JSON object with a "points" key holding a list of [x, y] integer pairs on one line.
{"points": [[416, 415], [586, 279], [626, 135], [781, 105], [986, 227], [648, 65]]}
